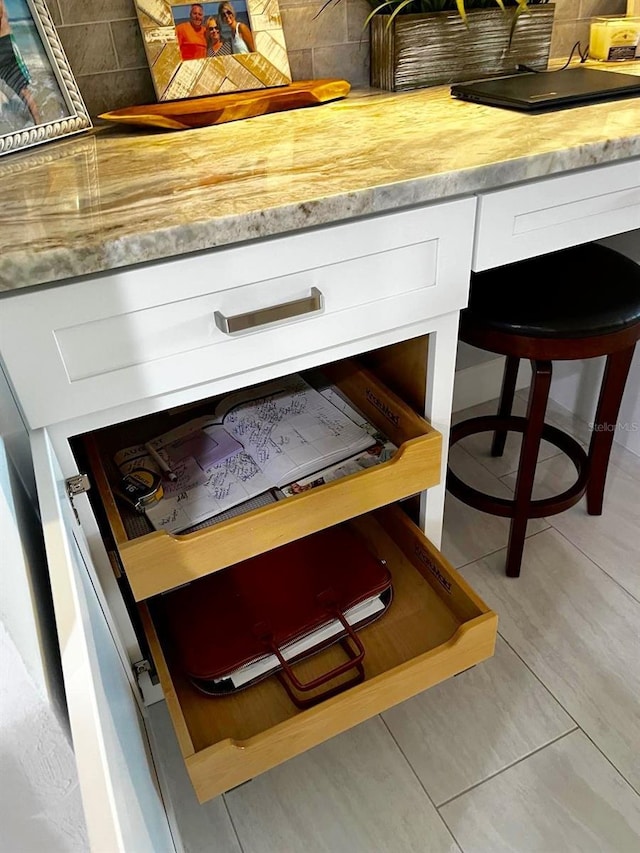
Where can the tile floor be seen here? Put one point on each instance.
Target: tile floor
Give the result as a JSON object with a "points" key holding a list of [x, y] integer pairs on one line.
{"points": [[537, 749], [40, 806]]}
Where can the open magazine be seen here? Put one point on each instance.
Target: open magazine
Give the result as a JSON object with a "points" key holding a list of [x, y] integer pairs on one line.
{"points": [[258, 439], [380, 451]]}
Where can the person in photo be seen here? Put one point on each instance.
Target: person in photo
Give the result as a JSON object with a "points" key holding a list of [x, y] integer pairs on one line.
{"points": [[216, 45], [191, 34], [241, 36], [13, 71]]}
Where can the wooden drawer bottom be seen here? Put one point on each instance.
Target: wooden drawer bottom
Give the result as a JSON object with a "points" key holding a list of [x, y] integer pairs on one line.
{"points": [[436, 627]]}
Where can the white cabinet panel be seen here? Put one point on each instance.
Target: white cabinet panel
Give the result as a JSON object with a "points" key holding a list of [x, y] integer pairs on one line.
{"points": [[123, 809], [547, 215], [148, 331]]}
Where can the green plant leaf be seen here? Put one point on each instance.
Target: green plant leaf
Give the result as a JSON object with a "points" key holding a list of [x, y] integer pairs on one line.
{"points": [[520, 8], [462, 6], [396, 7], [375, 12]]}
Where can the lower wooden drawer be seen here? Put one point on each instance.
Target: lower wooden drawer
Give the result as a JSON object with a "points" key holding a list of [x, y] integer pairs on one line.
{"points": [[436, 627]]}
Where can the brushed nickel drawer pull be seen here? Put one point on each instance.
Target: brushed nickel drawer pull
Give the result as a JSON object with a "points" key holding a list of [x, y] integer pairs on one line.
{"points": [[284, 311]]}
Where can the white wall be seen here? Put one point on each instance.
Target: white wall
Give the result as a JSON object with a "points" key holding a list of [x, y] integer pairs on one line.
{"points": [[40, 806], [576, 384], [26, 609], [479, 376]]}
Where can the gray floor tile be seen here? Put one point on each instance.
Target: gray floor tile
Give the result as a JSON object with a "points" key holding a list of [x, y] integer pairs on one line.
{"points": [[566, 798], [578, 631], [468, 728], [353, 794], [562, 418], [611, 540], [469, 534], [479, 445], [625, 459], [198, 825]]}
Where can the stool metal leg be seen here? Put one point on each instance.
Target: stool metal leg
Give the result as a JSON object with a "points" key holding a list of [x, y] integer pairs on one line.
{"points": [[611, 391], [540, 384], [509, 378]]}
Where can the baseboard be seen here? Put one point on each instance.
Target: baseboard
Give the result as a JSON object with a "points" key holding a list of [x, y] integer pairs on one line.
{"points": [[481, 382]]}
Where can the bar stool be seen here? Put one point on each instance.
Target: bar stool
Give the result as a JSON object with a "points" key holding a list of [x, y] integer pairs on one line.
{"points": [[577, 303]]}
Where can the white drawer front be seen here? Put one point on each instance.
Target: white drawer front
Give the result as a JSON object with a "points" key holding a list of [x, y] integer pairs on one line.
{"points": [[161, 331], [91, 345], [522, 222]]}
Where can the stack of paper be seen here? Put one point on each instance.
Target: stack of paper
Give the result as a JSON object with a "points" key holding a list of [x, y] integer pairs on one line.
{"points": [[256, 440]]}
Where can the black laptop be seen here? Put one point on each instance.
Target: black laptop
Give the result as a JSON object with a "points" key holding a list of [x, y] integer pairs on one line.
{"points": [[548, 89]]}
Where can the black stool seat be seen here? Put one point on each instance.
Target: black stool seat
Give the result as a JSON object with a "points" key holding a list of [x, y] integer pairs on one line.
{"points": [[575, 293], [573, 304]]}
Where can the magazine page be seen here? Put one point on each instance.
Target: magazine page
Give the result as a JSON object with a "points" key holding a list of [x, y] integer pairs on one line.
{"points": [[205, 472], [381, 451], [293, 430], [255, 440], [198, 494]]}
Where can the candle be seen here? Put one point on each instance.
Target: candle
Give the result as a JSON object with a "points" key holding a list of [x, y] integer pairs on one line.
{"points": [[614, 38]]}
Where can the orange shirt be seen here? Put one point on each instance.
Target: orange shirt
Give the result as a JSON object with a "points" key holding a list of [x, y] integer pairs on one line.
{"points": [[193, 45]]}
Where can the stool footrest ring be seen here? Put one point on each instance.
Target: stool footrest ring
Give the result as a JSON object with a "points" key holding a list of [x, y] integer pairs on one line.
{"points": [[505, 507]]}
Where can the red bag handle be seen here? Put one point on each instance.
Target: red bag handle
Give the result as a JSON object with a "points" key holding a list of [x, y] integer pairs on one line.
{"points": [[291, 682]]}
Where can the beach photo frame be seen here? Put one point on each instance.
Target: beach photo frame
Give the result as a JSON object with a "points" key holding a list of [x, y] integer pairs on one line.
{"points": [[189, 59], [39, 97]]}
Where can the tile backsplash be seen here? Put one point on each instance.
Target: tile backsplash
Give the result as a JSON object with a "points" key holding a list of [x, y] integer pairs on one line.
{"points": [[103, 44]]}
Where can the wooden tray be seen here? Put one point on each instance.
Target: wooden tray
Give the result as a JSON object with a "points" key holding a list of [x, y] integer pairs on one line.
{"points": [[217, 109], [436, 627], [158, 561]]}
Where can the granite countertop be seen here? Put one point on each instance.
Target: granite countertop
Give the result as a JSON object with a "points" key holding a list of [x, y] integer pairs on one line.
{"points": [[117, 197]]}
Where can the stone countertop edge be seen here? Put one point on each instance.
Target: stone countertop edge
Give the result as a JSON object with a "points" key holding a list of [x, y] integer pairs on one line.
{"points": [[103, 240]]}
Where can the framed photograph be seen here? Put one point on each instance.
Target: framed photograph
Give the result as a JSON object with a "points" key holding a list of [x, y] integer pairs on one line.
{"points": [[196, 49], [39, 98]]}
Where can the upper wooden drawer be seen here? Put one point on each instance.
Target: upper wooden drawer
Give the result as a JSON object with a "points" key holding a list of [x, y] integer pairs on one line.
{"points": [[156, 561], [533, 219], [148, 331]]}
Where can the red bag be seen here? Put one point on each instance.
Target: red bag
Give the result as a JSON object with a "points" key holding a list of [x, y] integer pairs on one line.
{"points": [[242, 624]]}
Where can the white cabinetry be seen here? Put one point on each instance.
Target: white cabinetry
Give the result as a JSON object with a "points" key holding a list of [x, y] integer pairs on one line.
{"points": [[555, 213], [97, 352], [140, 333], [117, 347]]}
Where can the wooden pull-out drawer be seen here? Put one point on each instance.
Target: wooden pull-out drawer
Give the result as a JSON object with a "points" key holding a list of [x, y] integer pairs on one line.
{"points": [[435, 627], [157, 561]]}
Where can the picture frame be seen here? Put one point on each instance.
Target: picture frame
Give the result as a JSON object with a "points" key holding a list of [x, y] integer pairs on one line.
{"points": [[39, 97], [185, 61]]}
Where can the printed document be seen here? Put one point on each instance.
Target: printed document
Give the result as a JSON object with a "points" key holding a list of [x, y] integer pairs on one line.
{"points": [[257, 439]]}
